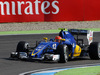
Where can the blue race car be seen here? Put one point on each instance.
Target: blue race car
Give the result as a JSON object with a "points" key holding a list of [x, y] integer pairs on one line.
{"points": [[64, 47]]}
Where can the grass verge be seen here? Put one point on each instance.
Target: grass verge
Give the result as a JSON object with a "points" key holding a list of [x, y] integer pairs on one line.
{"points": [[81, 71], [39, 31], [29, 32]]}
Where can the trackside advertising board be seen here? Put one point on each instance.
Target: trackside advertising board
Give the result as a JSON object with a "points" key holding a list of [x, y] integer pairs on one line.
{"points": [[49, 10]]}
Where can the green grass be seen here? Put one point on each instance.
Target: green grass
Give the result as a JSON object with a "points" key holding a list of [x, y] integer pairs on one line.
{"points": [[81, 71], [38, 31], [93, 29], [29, 32]]}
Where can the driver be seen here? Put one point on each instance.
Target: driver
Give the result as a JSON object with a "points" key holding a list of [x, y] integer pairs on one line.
{"points": [[57, 39]]}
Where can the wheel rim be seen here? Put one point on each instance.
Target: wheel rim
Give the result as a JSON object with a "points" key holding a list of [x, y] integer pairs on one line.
{"points": [[65, 53], [26, 45], [99, 50]]}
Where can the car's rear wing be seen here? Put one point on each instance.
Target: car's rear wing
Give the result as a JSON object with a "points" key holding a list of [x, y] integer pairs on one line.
{"points": [[78, 32]]}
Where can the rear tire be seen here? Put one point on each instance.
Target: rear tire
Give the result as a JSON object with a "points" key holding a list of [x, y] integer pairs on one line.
{"points": [[62, 50], [94, 50]]}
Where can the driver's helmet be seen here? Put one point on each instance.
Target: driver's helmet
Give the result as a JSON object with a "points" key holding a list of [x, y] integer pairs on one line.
{"points": [[57, 39]]}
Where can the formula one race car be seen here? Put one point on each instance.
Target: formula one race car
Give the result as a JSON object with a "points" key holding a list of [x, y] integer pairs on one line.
{"points": [[63, 47]]}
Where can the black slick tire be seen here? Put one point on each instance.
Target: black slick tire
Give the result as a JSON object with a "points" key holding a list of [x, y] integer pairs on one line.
{"points": [[94, 50], [22, 46], [62, 50]]}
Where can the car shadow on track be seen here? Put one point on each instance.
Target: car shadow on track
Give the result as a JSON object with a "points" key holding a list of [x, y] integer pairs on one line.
{"points": [[46, 62]]}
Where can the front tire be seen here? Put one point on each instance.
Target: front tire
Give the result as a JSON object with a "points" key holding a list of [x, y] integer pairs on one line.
{"points": [[94, 50], [62, 50], [22, 46]]}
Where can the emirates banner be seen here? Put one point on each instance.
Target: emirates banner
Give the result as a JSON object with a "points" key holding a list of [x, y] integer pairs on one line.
{"points": [[49, 10]]}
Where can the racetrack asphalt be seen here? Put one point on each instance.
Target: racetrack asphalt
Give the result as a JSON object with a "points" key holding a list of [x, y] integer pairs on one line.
{"points": [[14, 67]]}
